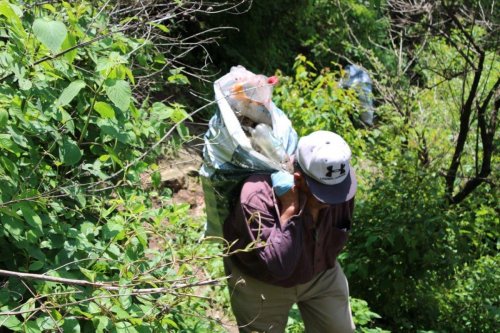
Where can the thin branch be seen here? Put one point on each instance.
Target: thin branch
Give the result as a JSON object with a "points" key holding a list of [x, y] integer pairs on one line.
{"points": [[467, 35], [110, 286], [57, 55], [42, 307]]}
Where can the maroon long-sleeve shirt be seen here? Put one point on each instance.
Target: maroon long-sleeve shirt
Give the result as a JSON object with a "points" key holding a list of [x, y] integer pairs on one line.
{"points": [[288, 255]]}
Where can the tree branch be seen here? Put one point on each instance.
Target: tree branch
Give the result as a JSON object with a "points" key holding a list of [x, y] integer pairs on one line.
{"points": [[462, 29], [487, 135], [110, 286], [465, 113]]}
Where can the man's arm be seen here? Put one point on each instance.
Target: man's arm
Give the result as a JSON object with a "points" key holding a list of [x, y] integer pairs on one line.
{"points": [[277, 236]]}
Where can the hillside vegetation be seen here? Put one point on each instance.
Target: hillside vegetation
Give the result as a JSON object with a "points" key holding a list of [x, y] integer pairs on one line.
{"points": [[93, 94]]}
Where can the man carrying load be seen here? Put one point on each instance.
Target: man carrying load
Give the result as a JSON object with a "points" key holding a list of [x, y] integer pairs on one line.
{"points": [[286, 233]]}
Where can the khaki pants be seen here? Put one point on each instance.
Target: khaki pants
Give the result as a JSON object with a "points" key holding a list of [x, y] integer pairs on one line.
{"points": [[262, 307]]}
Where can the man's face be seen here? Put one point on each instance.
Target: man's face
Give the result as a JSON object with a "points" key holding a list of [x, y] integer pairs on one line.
{"points": [[312, 202]]}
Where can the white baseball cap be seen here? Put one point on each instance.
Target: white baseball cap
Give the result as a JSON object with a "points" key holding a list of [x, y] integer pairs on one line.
{"points": [[325, 159]]}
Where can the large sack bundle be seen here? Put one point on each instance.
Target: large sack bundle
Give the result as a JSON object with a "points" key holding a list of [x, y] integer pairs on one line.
{"points": [[248, 134]]}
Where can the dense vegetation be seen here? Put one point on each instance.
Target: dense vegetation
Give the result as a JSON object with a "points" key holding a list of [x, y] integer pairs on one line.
{"points": [[92, 93]]}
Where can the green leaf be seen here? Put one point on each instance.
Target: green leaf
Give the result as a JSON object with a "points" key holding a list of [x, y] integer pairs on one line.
{"points": [[7, 144], [69, 153], [65, 119], [134, 111], [119, 93], [102, 323], [11, 322], [14, 227], [170, 322], [47, 323], [4, 117], [120, 313], [32, 327], [32, 218], [183, 131], [178, 79], [4, 297], [125, 327], [93, 308], [7, 211], [113, 230], [125, 298], [70, 92], [160, 26], [19, 139], [113, 155], [129, 74], [20, 73], [8, 11], [91, 275], [48, 6], [10, 166], [24, 84], [76, 193], [156, 179], [36, 265], [114, 59], [108, 128], [160, 111], [95, 168], [69, 42], [179, 113], [50, 33], [104, 109], [71, 325]]}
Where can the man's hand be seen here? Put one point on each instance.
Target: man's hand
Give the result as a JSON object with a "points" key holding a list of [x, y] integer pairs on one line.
{"points": [[289, 205], [287, 193]]}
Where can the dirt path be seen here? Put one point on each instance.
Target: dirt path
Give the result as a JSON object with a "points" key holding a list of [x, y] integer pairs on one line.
{"points": [[180, 172]]}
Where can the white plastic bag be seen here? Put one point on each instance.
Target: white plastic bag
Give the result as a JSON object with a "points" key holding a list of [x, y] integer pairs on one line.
{"points": [[228, 154]]}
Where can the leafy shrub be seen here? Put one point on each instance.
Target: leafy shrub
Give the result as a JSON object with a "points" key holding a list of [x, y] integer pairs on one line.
{"points": [[332, 30], [407, 241], [471, 302], [314, 100], [268, 35], [75, 139], [265, 35], [364, 318]]}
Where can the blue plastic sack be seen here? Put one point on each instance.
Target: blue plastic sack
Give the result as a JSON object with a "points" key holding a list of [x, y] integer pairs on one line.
{"points": [[359, 80]]}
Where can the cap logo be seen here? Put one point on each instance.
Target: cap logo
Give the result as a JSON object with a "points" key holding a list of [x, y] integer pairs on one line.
{"points": [[331, 170]]}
